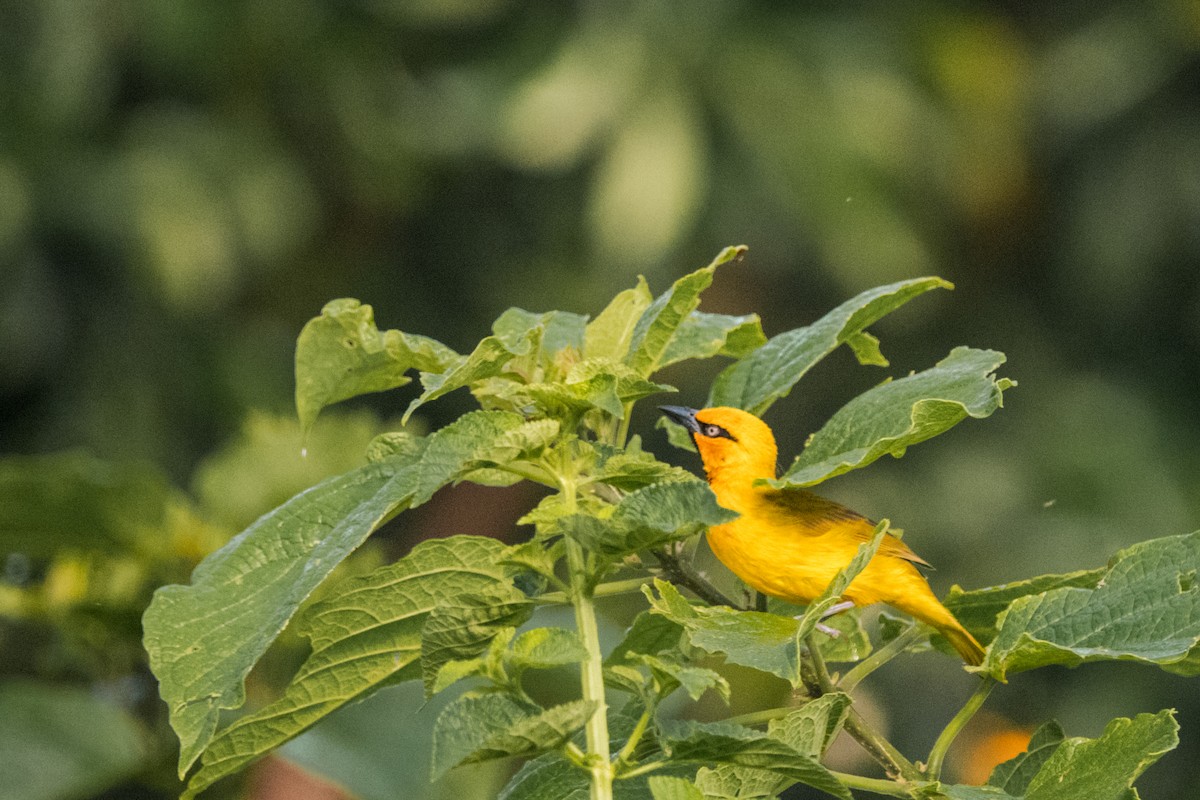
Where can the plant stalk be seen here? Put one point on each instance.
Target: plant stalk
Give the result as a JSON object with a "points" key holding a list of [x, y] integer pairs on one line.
{"points": [[878, 658], [937, 755], [817, 682], [873, 785], [592, 668]]}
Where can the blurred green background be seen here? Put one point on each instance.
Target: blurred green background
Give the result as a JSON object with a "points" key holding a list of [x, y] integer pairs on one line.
{"points": [[183, 184]]}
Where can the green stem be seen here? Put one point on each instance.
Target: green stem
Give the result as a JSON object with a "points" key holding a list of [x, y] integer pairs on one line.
{"points": [[603, 590], [681, 574], [644, 768], [878, 658], [938, 754], [530, 472], [874, 785], [639, 730], [623, 428], [816, 680], [760, 717], [592, 668]]}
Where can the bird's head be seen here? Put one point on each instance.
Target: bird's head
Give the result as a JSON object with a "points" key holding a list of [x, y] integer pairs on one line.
{"points": [[731, 442]]}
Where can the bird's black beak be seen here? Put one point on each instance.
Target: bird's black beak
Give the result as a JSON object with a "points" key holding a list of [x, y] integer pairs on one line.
{"points": [[683, 415]]}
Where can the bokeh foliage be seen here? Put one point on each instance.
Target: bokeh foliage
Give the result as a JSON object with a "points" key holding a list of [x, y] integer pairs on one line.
{"points": [[182, 185]]}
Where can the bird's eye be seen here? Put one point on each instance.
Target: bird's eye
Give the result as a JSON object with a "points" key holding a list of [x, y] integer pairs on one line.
{"points": [[712, 431]]}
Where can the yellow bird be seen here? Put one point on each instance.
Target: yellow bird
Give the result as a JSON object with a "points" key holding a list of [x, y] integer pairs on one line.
{"points": [[790, 543]]}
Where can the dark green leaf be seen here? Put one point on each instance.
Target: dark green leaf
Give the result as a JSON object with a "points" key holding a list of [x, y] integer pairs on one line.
{"points": [[341, 354], [770, 372], [725, 743], [650, 634], [1145, 608], [462, 626], [1014, 775], [544, 648], [488, 359], [630, 471], [479, 728], [366, 633], [754, 639], [1105, 768], [977, 609], [888, 419], [204, 638], [811, 727], [808, 730], [647, 518]]}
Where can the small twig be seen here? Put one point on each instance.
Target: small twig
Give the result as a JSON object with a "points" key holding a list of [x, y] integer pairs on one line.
{"points": [[874, 785], [878, 658], [677, 572], [937, 755], [817, 682]]}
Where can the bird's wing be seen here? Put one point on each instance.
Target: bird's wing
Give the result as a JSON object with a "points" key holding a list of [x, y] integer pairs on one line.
{"points": [[814, 515]]}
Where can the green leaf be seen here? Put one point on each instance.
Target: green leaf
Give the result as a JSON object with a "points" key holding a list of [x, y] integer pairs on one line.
{"points": [[647, 518], [462, 627], [204, 638], [545, 648], [650, 634], [702, 335], [865, 347], [808, 730], [852, 642], [356, 748], [560, 329], [726, 743], [365, 633], [1145, 608], [670, 507], [671, 675], [60, 742], [659, 323], [629, 471], [341, 354], [664, 787], [594, 383], [610, 333], [71, 500], [1079, 769], [770, 372], [888, 419], [978, 609], [552, 777], [488, 359], [754, 639], [1014, 775], [1098, 769], [479, 728], [811, 728]]}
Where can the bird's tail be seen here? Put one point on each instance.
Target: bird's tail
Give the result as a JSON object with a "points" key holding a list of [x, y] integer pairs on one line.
{"points": [[926, 607], [966, 644]]}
